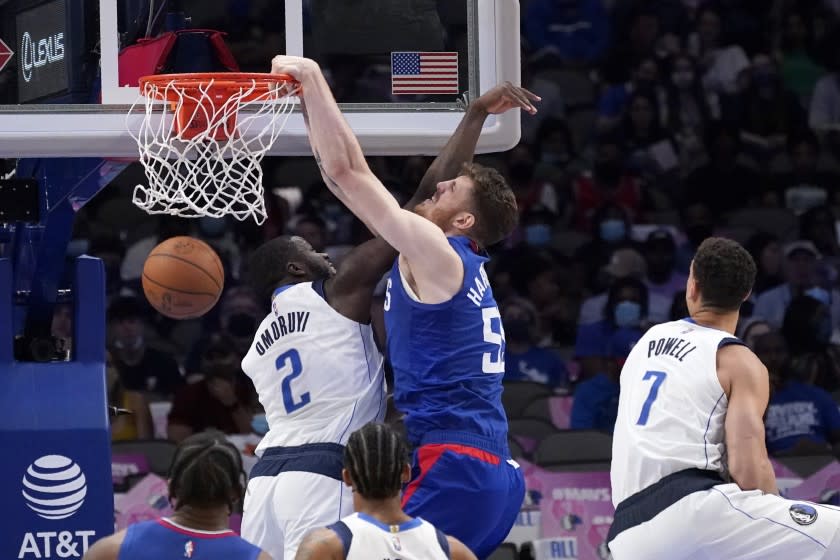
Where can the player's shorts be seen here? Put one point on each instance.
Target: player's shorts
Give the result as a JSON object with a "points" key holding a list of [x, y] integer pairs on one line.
{"points": [[466, 492], [721, 521], [291, 491]]}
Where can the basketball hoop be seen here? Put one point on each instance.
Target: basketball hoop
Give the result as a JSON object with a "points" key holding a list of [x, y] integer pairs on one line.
{"points": [[202, 139]]}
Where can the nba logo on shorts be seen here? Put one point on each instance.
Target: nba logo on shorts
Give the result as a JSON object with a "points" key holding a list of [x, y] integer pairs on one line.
{"points": [[803, 514], [189, 548]]}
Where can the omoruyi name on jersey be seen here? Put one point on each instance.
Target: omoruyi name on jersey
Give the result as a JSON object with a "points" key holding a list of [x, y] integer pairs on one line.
{"points": [[675, 347], [288, 323]]}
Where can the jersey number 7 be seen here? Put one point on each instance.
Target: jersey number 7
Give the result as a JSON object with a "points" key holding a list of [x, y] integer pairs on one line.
{"points": [[658, 378]]}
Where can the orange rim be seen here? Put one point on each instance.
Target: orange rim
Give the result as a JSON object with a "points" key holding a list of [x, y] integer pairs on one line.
{"points": [[222, 84]]}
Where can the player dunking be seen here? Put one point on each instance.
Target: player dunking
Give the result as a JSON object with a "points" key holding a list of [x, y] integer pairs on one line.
{"points": [[205, 484], [375, 467], [690, 420], [316, 368], [445, 337]]}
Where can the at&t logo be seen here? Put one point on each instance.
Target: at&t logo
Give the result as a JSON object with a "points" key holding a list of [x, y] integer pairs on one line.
{"points": [[54, 487]]}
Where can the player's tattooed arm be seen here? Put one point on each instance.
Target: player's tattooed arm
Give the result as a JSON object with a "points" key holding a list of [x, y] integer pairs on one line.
{"points": [[321, 544]]}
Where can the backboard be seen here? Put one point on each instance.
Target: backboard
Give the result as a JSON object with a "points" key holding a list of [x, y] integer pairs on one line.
{"points": [[66, 90]]}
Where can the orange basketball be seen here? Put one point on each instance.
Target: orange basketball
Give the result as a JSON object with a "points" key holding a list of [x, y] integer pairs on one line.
{"points": [[183, 277]]}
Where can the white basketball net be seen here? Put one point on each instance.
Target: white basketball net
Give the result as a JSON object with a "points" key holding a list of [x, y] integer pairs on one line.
{"points": [[216, 172]]}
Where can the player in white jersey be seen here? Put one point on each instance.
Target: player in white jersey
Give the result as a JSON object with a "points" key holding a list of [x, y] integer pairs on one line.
{"points": [[315, 364], [690, 474], [375, 468]]}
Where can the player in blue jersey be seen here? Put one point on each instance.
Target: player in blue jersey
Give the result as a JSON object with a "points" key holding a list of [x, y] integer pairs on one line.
{"points": [[205, 483], [445, 337]]}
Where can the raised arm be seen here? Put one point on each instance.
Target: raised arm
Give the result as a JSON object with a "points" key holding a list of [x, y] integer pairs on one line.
{"points": [[747, 385], [346, 173]]}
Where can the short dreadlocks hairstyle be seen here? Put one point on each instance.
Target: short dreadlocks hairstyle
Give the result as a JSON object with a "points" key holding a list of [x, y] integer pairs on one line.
{"points": [[374, 457]]}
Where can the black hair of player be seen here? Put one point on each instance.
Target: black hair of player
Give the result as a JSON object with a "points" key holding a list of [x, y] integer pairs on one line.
{"points": [[267, 267], [375, 456], [724, 272], [206, 472]]}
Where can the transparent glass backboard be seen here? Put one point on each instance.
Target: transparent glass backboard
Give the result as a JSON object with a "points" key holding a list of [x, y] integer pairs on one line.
{"points": [[399, 68]]}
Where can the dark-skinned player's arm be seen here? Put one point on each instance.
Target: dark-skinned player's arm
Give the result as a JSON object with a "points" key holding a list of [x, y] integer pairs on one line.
{"points": [[320, 544], [747, 385], [458, 550], [350, 292]]}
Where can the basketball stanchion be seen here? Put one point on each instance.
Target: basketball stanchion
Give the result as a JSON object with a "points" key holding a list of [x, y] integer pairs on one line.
{"points": [[202, 139]]}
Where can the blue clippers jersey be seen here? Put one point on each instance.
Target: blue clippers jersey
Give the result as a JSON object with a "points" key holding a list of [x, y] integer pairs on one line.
{"points": [[161, 538], [448, 359]]}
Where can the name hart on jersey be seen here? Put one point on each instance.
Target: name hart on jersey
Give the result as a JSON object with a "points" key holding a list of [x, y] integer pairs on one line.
{"points": [[675, 347], [288, 323], [481, 285]]}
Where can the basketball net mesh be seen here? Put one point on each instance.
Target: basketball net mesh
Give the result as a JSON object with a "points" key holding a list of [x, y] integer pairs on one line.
{"points": [[201, 154]]}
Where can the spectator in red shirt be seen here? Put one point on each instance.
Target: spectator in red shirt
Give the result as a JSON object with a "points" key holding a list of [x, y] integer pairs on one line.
{"points": [[222, 399]]}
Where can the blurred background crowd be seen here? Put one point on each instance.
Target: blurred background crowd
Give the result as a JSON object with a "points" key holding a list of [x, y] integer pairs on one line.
{"points": [[662, 122]]}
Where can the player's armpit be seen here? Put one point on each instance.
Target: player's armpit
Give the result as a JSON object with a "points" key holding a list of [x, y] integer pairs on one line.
{"points": [[747, 383], [320, 544], [458, 550], [350, 291]]}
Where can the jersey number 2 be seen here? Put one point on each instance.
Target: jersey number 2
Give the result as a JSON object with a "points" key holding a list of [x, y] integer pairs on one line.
{"points": [[497, 338], [288, 365], [658, 378]]}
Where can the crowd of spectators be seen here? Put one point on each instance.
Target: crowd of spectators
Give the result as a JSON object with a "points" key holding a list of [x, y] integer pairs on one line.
{"points": [[662, 122]]}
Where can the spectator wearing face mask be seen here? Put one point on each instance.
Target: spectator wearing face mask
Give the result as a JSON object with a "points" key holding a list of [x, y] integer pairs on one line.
{"points": [[609, 182], [626, 308], [223, 399], [238, 318], [800, 418], [611, 232], [687, 109], [801, 278], [624, 264], [807, 329], [530, 190], [141, 368], [595, 402], [524, 361]]}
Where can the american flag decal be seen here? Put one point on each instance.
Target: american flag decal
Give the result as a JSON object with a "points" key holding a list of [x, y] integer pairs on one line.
{"points": [[424, 73]]}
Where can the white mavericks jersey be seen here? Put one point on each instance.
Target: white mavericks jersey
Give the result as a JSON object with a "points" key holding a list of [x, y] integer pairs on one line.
{"points": [[318, 374], [671, 408], [370, 539]]}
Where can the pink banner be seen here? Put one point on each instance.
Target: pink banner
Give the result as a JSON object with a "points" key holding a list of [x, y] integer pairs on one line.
{"points": [[124, 464], [576, 509], [821, 487], [149, 499]]}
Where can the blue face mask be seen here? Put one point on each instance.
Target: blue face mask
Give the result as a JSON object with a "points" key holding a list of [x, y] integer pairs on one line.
{"points": [[538, 235], [259, 423], [820, 294], [612, 230], [628, 314]]}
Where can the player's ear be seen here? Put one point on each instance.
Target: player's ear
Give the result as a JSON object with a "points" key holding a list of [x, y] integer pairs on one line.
{"points": [[464, 220], [295, 269], [345, 476]]}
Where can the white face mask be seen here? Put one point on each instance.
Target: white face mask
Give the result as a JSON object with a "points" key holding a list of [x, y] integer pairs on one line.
{"points": [[129, 344]]}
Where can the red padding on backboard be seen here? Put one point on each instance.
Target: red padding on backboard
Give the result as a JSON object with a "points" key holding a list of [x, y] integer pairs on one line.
{"points": [[145, 58]]}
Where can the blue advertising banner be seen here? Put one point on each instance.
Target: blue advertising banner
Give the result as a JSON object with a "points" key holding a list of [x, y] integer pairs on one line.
{"points": [[55, 474]]}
